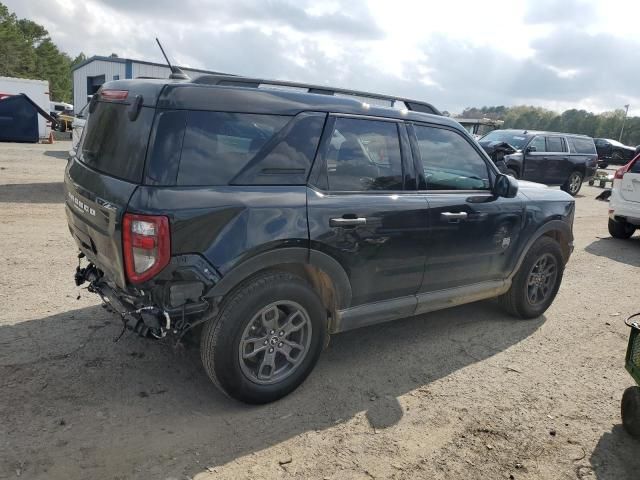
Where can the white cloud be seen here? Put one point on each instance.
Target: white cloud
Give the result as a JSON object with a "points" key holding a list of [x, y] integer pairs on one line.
{"points": [[572, 54]]}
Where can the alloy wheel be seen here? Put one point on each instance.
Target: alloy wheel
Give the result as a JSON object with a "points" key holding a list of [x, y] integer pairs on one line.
{"points": [[575, 180], [275, 342], [542, 279]]}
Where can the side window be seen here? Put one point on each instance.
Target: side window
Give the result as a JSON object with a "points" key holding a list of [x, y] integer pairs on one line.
{"points": [[582, 145], [539, 144], [449, 161], [364, 155], [218, 145], [555, 144]]}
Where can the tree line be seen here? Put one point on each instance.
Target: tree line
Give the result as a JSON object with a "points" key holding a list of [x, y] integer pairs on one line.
{"points": [[26, 51], [601, 125]]}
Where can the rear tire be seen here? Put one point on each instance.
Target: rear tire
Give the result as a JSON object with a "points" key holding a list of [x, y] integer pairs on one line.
{"points": [[630, 410], [620, 229], [261, 310], [532, 290], [573, 184]]}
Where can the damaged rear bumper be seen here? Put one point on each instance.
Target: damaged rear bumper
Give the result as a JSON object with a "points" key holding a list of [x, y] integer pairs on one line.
{"points": [[138, 312]]}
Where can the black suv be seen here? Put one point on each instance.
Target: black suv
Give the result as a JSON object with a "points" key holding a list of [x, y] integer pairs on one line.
{"points": [[546, 157], [612, 152], [274, 217]]}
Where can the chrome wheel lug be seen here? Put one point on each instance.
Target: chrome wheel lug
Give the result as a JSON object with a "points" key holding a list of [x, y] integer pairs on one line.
{"points": [[281, 333], [280, 345], [271, 350], [272, 332]]}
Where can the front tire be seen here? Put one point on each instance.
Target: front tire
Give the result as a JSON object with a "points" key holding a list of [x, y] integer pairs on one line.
{"points": [[513, 173], [630, 410], [620, 229], [266, 339], [537, 281], [573, 184]]}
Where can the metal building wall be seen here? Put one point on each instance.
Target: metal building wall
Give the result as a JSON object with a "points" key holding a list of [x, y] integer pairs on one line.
{"points": [[157, 71], [118, 68], [92, 69]]}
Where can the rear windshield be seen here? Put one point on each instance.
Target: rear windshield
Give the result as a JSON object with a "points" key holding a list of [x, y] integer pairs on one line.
{"points": [[115, 145], [582, 145]]}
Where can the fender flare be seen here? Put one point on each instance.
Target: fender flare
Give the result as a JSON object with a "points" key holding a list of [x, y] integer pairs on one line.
{"points": [[553, 225], [283, 256]]}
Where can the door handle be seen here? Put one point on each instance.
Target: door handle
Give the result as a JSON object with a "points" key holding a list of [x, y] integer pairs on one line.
{"points": [[453, 217], [347, 222]]}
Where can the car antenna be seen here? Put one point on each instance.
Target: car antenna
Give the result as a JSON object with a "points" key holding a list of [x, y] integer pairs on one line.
{"points": [[176, 72]]}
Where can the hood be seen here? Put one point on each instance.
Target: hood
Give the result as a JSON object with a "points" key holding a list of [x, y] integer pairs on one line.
{"points": [[492, 146], [540, 192], [526, 185]]}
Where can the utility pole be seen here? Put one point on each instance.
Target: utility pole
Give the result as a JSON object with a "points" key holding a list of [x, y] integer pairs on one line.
{"points": [[626, 111]]}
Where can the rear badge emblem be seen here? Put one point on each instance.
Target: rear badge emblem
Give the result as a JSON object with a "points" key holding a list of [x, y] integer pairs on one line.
{"points": [[80, 205]]}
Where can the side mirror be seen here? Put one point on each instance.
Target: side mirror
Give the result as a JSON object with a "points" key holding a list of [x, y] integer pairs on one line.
{"points": [[505, 186], [531, 148]]}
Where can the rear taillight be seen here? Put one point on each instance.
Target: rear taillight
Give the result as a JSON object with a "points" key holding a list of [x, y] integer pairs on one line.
{"points": [[622, 170], [146, 244], [114, 94]]}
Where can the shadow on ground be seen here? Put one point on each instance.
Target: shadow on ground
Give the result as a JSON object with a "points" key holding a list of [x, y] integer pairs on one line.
{"points": [[623, 251], [52, 192], [61, 154], [104, 408], [616, 456]]}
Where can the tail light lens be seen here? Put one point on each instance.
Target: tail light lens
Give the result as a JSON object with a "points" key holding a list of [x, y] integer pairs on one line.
{"points": [[622, 170], [114, 94], [146, 244]]}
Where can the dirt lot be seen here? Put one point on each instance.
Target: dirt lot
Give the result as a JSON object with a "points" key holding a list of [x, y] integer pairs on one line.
{"points": [[467, 393]]}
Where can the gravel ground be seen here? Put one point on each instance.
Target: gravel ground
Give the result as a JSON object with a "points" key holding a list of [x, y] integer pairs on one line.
{"points": [[467, 393]]}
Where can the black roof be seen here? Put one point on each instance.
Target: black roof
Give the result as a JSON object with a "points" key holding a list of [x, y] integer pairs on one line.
{"points": [[239, 94], [248, 82]]}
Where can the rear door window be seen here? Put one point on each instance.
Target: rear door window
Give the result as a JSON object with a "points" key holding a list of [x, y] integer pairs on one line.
{"points": [[115, 145], [449, 161], [218, 145], [555, 144], [364, 155]]}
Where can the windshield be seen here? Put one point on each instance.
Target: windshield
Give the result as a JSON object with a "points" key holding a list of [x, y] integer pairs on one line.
{"points": [[514, 139]]}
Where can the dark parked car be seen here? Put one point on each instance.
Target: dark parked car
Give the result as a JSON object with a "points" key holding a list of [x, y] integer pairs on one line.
{"points": [[612, 152], [546, 157], [274, 218]]}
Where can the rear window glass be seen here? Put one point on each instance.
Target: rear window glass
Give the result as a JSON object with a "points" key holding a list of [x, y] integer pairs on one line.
{"points": [[555, 144], [115, 145], [582, 145], [217, 145]]}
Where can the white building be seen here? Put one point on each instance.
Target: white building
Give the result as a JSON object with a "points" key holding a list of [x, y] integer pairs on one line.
{"points": [[89, 75]]}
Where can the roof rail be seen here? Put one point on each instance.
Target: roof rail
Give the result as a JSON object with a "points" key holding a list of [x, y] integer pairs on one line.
{"points": [[238, 81]]}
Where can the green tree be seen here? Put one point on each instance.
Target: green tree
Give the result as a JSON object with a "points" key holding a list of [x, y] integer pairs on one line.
{"points": [[602, 125], [26, 51]]}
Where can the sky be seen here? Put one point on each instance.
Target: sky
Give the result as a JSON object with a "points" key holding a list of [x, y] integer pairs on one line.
{"points": [[454, 54]]}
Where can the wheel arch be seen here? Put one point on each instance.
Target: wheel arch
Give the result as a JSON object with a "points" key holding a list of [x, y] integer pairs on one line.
{"points": [[326, 276], [515, 166], [555, 229]]}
